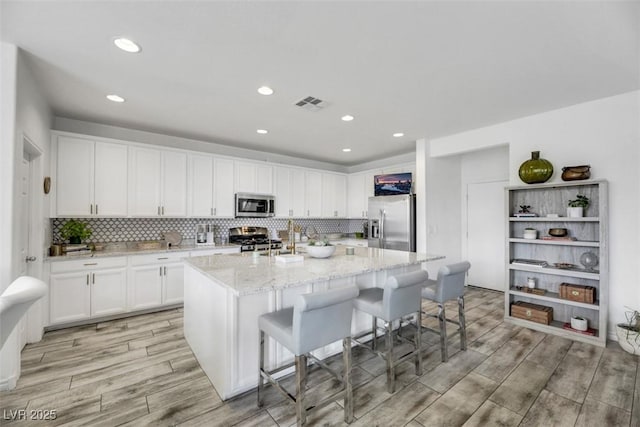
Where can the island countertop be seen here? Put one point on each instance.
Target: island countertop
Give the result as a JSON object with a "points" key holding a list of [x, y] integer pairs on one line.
{"points": [[246, 274]]}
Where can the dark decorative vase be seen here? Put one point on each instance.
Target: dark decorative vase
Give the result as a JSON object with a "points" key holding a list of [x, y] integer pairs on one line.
{"points": [[535, 170]]}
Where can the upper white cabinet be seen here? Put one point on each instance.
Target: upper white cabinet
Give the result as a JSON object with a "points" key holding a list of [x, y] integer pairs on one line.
{"points": [[357, 203], [253, 178], [334, 195], [91, 178], [223, 200], [313, 194], [289, 190], [200, 185], [158, 182]]}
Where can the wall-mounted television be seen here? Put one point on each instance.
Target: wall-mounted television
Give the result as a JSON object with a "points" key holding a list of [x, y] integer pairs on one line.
{"points": [[392, 184]]}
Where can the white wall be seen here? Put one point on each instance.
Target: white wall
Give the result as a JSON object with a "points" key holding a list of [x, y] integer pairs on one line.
{"points": [[25, 113], [603, 133]]}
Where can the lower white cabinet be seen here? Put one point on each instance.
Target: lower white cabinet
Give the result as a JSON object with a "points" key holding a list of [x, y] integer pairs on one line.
{"points": [[83, 289], [156, 280]]}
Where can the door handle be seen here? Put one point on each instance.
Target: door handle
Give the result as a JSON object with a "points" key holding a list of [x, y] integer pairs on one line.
{"points": [[93, 278], [211, 211], [30, 258], [87, 280], [91, 208], [160, 271], [158, 210], [165, 271], [96, 209], [215, 211], [163, 210]]}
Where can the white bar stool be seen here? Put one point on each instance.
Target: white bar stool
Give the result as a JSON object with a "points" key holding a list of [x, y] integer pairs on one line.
{"points": [[315, 320], [448, 286], [400, 297]]}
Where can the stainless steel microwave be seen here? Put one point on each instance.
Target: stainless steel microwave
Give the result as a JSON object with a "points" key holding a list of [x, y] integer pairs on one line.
{"points": [[250, 205]]}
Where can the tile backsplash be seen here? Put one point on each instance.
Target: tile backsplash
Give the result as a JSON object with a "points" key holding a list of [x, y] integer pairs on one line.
{"points": [[109, 230]]}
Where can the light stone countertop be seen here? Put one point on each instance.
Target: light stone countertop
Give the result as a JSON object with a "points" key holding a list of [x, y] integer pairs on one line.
{"points": [[246, 274], [124, 249]]}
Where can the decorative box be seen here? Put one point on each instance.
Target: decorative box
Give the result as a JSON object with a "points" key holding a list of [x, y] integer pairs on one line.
{"points": [[578, 293], [533, 312]]}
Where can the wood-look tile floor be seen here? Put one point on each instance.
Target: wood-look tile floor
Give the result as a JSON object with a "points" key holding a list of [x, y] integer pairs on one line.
{"points": [[140, 371]]}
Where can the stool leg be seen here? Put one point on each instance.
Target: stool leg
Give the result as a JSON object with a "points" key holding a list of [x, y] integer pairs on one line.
{"points": [[374, 328], [443, 332], [463, 326], [391, 374], [348, 387], [418, 343], [301, 385], [260, 369]]}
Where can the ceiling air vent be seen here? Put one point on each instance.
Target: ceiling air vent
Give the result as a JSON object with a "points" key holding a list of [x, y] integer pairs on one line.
{"points": [[311, 104]]}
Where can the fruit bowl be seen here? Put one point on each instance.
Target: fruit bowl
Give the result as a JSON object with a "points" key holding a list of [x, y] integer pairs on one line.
{"points": [[321, 251]]}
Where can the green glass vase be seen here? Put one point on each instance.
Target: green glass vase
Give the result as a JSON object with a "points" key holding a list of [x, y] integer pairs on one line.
{"points": [[535, 170]]}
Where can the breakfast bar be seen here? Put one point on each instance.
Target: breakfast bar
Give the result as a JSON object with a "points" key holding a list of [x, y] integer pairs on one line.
{"points": [[225, 294]]}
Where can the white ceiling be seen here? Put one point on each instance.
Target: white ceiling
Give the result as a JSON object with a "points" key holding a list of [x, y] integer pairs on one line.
{"points": [[427, 69]]}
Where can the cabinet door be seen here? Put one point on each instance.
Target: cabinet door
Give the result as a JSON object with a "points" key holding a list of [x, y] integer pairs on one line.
{"points": [[328, 195], [313, 194], [144, 185], [145, 286], [245, 177], [264, 179], [174, 184], [340, 195], [108, 291], [223, 187], [298, 196], [110, 174], [356, 203], [69, 297], [282, 191], [201, 186], [173, 287], [74, 191]]}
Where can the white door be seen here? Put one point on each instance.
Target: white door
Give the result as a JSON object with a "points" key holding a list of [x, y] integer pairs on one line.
{"points": [[110, 177], [145, 286], [144, 182], [264, 179], [74, 191], [173, 289], [201, 182], [174, 185], [108, 291], [223, 188], [69, 297], [485, 234], [24, 237], [282, 191], [313, 194], [298, 196]]}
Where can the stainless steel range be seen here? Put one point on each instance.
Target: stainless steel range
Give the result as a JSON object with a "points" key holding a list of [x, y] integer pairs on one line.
{"points": [[253, 239]]}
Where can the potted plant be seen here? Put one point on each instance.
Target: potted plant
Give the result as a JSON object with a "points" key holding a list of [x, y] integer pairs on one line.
{"points": [[577, 206], [74, 231], [629, 333]]}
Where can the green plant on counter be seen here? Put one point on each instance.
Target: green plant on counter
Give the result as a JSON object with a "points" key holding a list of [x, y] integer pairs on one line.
{"points": [[74, 231], [579, 202], [324, 242]]}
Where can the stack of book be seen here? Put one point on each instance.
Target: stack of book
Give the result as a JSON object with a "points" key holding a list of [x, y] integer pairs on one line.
{"points": [[79, 249], [529, 262]]}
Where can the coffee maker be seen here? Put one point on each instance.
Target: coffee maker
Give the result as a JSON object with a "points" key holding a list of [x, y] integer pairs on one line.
{"points": [[204, 235]]}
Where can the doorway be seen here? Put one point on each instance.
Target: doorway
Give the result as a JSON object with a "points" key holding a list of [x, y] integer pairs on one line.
{"points": [[485, 234]]}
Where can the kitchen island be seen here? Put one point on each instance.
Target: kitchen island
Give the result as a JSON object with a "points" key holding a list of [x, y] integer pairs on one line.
{"points": [[225, 295]]}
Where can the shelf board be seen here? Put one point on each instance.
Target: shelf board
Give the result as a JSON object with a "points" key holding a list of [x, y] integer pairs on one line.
{"points": [[556, 271], [555, 297], [582, 243], [558, 219], [556, 328]]}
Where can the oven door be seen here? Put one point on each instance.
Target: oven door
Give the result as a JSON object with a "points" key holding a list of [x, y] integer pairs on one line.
{"points": [[254, 205]]}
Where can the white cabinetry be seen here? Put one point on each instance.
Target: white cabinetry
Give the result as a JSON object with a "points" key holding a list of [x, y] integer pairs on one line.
{"points": [[360, 188], [200, 185], [91, 178], [334, 195], [156, 280], [313, 194], [87, 288], [562, 256], [158, 182], [253, 178], [289, 190], [223, 187]]}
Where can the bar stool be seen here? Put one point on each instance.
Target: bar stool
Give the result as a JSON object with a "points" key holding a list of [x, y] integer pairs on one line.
{"points": [[315, 320], [399, 298], [449, 285]]}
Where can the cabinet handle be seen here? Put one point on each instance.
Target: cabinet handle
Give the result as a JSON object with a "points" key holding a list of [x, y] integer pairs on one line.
{"points": [[308, 214], [165, 271], [96, 209], [91, 263], [158, 210], [165, 257], [211, 211], [163, 210], [87, 280], [91, 209], [160, 271], [93, 278], [215, 211]]}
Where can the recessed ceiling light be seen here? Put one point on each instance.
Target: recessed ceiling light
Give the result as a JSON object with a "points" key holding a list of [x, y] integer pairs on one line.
{"points": [[346, 150], [115, 98], [265, 90], [398, 134], [127, 45], [262, 131], [347, 118]]}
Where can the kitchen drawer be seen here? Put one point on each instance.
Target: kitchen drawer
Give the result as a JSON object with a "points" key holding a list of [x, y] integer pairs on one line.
{"points": [[217, 251], [158, 258], [88, 263], [352, 242]]}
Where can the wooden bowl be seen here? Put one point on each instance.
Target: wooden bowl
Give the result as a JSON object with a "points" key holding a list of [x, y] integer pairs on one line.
{"points": [[558, 232]]}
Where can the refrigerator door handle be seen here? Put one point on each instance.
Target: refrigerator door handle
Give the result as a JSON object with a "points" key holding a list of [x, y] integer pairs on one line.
{"points": [[381, 233]]}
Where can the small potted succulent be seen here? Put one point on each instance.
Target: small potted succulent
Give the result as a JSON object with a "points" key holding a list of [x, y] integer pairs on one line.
{"points": [[629, 333], [577, 206], [74, 231], [320, 248]]}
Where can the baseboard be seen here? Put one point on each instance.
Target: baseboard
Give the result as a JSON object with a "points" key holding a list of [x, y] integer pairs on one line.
{"points": [[8, 383]]}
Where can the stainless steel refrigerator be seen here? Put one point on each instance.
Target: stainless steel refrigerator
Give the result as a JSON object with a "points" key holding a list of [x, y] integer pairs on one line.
{"points": [[392, 222]]}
